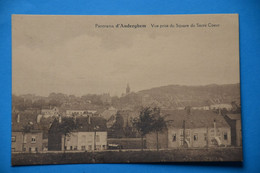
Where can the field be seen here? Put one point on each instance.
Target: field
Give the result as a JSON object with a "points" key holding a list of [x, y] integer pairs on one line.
{"points": [[134, 156]]}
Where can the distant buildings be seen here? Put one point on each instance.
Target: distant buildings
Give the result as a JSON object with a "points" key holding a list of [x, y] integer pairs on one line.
{"points": [[75, 112], [221, 106], [79, 112], [50, 112]]}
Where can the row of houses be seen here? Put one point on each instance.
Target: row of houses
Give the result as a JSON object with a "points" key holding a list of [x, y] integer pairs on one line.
{"points": [[193, 128], [90, 133]]}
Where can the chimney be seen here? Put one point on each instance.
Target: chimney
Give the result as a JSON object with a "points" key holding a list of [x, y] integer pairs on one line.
{"points": [[215, 128], [39, 118], [59, 118], [18, 118], [188, 109]]}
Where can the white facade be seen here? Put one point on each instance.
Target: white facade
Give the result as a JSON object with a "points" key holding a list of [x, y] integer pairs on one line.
{"points": [[221, 106], [85, 141]]}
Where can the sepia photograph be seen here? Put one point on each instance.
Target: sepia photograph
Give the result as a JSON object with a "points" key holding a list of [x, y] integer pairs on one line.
{"points": [[125, 89]]}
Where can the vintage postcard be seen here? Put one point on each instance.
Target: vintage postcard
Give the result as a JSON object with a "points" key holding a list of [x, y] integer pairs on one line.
{"points": [[125, 89]]}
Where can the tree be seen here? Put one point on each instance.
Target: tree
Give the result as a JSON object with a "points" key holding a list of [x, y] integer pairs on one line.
{"points": [[118, 126], [144, 122], [66, 127], [148, 121], [158, 125]]}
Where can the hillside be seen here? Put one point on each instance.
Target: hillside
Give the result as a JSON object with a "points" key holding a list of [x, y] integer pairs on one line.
{"points": [[173, 96]]}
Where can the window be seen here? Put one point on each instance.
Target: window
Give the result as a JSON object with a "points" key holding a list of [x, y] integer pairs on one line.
{"points": [[70, 147], [30, 149], [205, 136], [174, 137], [83, 139], [181, 140], [65, 147], [97, 138], [104, 147], [83, 148], [195, 137], [13, 138], [187, 132], [225, 136], [24, 139], [98, 147], [36, 149], [33, 139], [24, 149], [181, 132]]}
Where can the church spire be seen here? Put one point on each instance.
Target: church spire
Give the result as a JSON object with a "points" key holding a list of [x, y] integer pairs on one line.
{"points": [[127, 89]]}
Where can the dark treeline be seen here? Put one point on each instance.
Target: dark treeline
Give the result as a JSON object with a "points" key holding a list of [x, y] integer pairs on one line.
{"points": [[24, 102]]}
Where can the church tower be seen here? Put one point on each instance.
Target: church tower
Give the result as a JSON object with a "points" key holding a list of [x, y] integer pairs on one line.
{"points": [[127, 89]]}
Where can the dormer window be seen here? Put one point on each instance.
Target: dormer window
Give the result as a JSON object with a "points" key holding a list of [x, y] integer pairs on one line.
{"points": [[33, 139]]}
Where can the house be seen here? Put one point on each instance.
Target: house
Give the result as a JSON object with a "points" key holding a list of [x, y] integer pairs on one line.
{"points": [[192, 128], [26, 135], [90, 135], [27, 141], [234, 120]]}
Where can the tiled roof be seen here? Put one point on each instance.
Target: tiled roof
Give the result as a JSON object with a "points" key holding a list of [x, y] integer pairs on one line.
{"points": [[26, 119], [234, 116], [96, 124], [196, 118], [108, 113]]}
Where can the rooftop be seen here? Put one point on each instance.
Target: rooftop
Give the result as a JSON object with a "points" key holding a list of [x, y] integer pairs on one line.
{"points": [[194, 119]]}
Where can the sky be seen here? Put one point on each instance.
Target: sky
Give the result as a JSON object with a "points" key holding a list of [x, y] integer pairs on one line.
{"points": [[68, 54]]}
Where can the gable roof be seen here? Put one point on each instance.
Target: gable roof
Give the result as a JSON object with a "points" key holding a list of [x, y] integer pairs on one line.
{"points": [[26, 119], [96, 124], [234, 116], [196, 119], [108, 113]]}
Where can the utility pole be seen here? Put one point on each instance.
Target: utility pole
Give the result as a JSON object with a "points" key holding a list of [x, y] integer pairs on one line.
{"points": [[95, 133], [183, 132], [95, 138]]}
